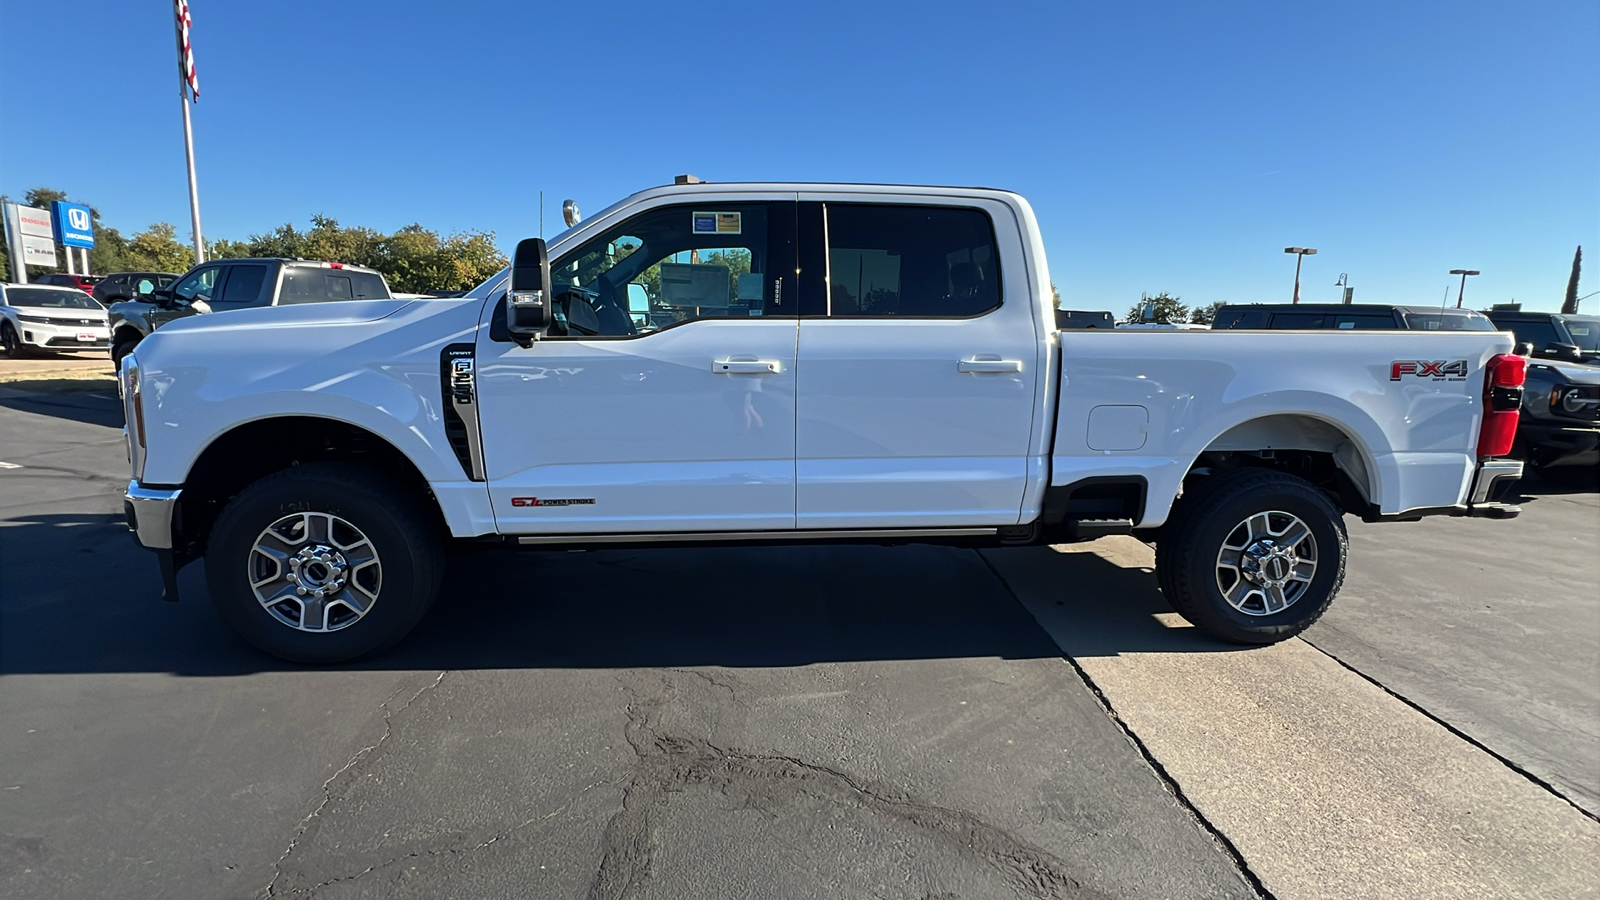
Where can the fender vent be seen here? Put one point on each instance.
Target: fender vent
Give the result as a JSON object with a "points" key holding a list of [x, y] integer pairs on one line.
{"points": [[458, 387]]}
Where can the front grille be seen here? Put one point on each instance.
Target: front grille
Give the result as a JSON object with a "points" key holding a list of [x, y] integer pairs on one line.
{"points": [[1577, 401]]}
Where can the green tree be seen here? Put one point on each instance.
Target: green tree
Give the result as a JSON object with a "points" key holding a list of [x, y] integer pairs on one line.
{"points": [[1055, 296], [157, 249], [1169, 310], [1205, 315], [1570, 305]]}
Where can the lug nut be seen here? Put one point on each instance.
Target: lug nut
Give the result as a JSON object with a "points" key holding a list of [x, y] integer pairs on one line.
{"points": [[300, 591]]}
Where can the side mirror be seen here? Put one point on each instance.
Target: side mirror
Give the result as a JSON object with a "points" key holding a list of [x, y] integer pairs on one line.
{"points": [[528, 299], [1524, 348], [1555, 350], [161, 296]]}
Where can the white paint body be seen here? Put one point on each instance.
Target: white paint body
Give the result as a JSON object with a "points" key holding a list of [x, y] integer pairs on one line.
{"points": [[53, 327], [856, 424]]}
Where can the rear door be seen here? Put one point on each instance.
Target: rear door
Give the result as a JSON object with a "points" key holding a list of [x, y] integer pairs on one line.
{"points": [[917, 365]]}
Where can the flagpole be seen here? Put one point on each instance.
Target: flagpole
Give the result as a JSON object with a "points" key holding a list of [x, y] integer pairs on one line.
{"points": [[188, 150]]}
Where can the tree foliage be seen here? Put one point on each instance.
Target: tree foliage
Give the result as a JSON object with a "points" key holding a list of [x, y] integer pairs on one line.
{"points": [[413, 259], [1169, 310], [1205, 315], [1570, 304]]}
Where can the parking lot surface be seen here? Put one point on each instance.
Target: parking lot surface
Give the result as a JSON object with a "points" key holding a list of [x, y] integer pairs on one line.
{"points": [[799, 722]]}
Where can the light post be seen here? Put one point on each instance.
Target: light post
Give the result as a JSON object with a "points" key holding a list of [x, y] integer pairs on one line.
{"points": [[1463, 273], [1300, 253]]}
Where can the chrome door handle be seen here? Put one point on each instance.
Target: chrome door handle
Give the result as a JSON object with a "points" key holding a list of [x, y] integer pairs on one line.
{"points": [[979, 366], [737, 366]]}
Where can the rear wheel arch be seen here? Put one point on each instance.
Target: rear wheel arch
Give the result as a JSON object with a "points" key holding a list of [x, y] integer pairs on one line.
{"points": [[1327, 453]]}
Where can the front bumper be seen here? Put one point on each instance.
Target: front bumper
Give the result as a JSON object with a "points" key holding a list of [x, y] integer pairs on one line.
{"points": [[1557, 445], [151, 512], [66, 336]]}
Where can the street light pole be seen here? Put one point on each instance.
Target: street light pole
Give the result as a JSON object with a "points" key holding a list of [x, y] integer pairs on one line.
{"points": [[1463, 273], [1300, 253]]}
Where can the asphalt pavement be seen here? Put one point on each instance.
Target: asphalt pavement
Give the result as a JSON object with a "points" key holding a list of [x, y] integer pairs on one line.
{"points": [[792, 722]]}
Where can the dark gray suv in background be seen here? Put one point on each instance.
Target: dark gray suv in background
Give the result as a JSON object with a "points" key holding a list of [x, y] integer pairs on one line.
{"points": [[227, 284]]}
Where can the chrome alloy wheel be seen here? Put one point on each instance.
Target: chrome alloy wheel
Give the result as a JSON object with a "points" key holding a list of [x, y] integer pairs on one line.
{"points": [[1266, 563], [314, 572]]}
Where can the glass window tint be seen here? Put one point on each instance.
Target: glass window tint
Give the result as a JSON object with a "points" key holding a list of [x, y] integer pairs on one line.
{"points": [[1298, 320], [22, 296], [1584, 332], [910, 261], [1447, 322], [1363, 322], [1539, 333], [1240, 317], [666, 266], [197, 285], [315, 284], [243, 287]]}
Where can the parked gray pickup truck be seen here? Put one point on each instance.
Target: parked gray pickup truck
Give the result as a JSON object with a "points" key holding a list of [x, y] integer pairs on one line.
{"points": [[227, 284]]}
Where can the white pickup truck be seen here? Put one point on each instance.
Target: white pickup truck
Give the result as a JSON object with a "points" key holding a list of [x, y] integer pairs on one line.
{"points": [[737, 363]]}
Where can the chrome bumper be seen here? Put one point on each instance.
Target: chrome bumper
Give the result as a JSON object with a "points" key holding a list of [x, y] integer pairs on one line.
{"points": [[150, 512], [1492, 474]]}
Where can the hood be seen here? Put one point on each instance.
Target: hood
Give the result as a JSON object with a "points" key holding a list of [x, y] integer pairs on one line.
{"points": [[56, 313], [1577, 373], [337, 312]]}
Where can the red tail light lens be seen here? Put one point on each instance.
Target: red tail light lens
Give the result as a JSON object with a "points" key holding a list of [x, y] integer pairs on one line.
{"points": [[1502, 401]]}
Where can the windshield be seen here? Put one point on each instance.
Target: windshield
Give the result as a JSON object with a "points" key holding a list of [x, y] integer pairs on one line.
{"points": [[41, 297], [1585, 331]]}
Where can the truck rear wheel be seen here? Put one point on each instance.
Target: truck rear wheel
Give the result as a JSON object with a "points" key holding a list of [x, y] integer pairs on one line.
{"points": [[1253, 557], [323, 563]]}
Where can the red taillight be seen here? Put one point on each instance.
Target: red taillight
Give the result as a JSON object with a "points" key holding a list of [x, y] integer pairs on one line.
{"points": [[1502, 401]]}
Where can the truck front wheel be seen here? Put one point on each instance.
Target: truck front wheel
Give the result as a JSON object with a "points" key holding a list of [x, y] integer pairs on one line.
{"points": [[323, 563], [1254, 556]]}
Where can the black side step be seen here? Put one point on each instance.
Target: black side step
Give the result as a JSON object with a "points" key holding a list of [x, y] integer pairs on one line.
{"points": [[1089, 529]]}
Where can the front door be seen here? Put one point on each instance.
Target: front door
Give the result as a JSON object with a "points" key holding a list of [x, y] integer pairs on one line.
{"points": [[193, 293], [917, 368], [663, 398]]}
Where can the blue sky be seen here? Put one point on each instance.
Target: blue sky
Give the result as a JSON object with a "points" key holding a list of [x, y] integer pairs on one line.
{"points": [[1175, 147]]}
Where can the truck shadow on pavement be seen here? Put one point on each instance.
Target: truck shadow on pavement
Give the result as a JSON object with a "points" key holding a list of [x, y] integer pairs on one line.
{"points": [[77, 595]]}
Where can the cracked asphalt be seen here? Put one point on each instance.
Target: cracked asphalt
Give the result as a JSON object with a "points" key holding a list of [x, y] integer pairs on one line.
{"points": [[794, 722]]}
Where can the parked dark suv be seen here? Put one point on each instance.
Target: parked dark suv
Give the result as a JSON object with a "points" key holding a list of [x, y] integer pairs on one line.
{"points": [[1348, 316], [229, 284], [130, 285], [1552, 335]]}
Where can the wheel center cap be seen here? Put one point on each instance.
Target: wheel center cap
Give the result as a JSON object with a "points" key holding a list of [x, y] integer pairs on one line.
{"points": [[1266, 563], [318, 569]]}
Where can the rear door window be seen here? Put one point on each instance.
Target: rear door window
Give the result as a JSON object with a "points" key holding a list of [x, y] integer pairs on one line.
{"points": [[910, 261], [243, 288], [1298, 320], [1362, 321]]}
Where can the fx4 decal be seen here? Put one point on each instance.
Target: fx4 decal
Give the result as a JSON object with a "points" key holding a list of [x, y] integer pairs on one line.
{"points": [[1438, 369], [567, 501]]}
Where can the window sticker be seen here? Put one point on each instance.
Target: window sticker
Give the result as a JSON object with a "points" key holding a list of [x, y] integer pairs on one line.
{"points": [[718, 222]]}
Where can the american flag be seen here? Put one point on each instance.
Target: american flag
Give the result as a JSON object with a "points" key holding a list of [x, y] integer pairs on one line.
{"points": [[185, 51]]}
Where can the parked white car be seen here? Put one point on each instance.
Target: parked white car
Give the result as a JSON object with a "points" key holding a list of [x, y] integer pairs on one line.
{"points": [[37, 317], [782, 363]]}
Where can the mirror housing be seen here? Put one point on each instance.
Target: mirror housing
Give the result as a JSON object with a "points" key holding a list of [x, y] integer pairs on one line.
{"points": [[1524, 348], [1557, 350], [528, 298], [161, 296]]}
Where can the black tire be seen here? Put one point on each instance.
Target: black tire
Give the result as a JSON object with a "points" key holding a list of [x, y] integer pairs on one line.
{"points": [[407, 540], [1187, 566], [11, 345], [120, 348]]}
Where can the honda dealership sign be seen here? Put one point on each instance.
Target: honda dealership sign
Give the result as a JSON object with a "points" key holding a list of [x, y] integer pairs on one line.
{"points": [[72, 225]]}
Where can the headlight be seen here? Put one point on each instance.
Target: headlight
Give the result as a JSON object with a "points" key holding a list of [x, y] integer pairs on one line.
{"points": [[43, 320]]}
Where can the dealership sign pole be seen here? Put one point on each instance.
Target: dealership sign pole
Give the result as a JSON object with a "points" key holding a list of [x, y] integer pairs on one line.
{"points": [[189, 88]]}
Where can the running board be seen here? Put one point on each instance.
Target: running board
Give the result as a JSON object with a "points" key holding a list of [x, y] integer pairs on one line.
{"points": [[709, 536]]}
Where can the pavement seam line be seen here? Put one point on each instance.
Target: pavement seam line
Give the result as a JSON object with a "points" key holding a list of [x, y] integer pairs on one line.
{"points": [[327, 795], [1457, 732], [1161, 773]]}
